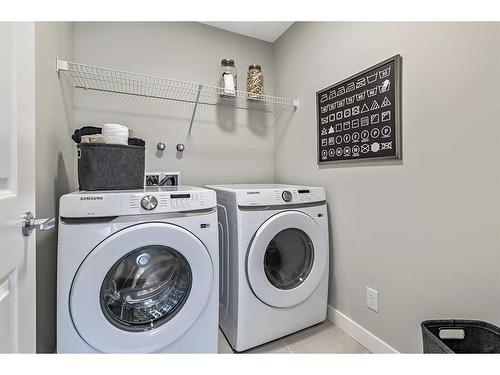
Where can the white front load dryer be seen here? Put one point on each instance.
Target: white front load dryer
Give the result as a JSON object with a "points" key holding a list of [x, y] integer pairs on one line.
{"points": [[138, 271], [274, 261]]}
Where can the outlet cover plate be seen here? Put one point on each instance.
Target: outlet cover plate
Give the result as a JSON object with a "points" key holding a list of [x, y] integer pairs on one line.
{"points": [[372, 299]]}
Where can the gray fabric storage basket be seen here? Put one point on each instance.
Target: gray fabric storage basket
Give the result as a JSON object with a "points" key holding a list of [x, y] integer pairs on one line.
{"points": [[110, 167], [478, 337]]}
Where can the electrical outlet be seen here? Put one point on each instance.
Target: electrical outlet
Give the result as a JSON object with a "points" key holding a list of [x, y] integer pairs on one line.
{"points": [[372, 299]]}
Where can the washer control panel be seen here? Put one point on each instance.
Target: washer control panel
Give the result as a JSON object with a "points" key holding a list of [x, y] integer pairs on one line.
{"points": [[173, 201], [134, 202], [280, 196]]}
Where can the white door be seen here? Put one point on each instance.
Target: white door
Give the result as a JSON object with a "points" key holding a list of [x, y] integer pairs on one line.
{"points": [[17, 186], [141, 289], [287, 259]]}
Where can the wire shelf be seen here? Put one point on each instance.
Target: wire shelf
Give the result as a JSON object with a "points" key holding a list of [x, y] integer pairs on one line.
{"points": [[93, 78]]}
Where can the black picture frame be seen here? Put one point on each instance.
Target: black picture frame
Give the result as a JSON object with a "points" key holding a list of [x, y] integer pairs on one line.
{"points": [[345, 135]]}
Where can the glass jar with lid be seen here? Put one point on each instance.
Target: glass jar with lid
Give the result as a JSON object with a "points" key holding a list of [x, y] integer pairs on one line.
{"points": [[255, 81], [228, 77]]}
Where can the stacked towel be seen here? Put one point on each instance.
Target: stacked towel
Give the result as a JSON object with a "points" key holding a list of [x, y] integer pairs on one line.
{"points": [[110, 133]]}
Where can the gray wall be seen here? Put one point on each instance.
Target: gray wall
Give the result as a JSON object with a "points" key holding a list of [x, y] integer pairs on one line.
{"points": [[423, 232], [225, 145], [55, 172]]}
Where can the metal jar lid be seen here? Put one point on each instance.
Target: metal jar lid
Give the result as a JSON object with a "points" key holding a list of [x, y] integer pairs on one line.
{"points": [[255, 66], [227, 62]]}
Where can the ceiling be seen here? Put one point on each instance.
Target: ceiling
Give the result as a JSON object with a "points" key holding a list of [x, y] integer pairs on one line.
{"points": [[268, 31]]}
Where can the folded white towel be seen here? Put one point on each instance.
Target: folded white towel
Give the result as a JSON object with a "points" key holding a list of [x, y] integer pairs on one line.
{"points": [[115, 133]]}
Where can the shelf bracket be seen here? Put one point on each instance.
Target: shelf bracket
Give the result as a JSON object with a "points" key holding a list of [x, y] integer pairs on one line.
{"points": [[61, 65], [194, 109]]}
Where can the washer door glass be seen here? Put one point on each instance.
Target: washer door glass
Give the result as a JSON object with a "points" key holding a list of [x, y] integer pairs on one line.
{"points": [[146, 288], [288, 258]]}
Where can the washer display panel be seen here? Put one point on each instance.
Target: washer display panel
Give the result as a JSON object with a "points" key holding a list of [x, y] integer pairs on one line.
{"points": [[141, 289], [146, 288], [287, 259]]}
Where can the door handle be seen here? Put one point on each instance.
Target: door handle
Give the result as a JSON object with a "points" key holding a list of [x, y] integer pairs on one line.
{"points": [[30, 223]]}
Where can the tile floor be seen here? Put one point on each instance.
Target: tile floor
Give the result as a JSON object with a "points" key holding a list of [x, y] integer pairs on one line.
{"points": [[325, 337]]}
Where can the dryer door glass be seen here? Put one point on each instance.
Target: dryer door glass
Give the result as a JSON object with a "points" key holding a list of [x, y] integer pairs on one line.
{"points": [[288, 258], [146, 288]]}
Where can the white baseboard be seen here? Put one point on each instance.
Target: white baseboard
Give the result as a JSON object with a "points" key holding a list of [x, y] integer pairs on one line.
{"points": [[360, 334]]}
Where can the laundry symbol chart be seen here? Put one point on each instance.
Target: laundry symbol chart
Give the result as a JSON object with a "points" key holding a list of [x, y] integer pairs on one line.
{"points": [[338, 127], [385, 86], [365, 121], [360, 96], [324, 142], [355, 110], [340, 103], [323, 98], [360, 82], [350, 87], [364, 135], [375, 147], [355, 137], [364, 108], [341, 91], [347, 151], [385, 102], [324, 131], [386, 131], [324, 120], [365, 148], [386, 116], [331, 141], [331, 117], [372, 92], [384, 73], [375, 133], [355, 150], [349, 100], [331, 131], [374, 119], [371, 78], [355, 122], [324, 154], [386, 146], [332, 95], [374, 105], [347, 112], [347, 125]]}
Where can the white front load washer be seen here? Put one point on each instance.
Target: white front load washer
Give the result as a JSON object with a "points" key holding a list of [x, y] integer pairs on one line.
{"points": [[138, 271], [274, 261]]}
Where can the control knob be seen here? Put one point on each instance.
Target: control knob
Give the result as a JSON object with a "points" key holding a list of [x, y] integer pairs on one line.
{"points": [[149, 202], [287, 196]]}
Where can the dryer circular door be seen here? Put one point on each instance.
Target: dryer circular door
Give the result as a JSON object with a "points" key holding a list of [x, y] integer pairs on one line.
{"points": [[141, 289], [287, 259]]}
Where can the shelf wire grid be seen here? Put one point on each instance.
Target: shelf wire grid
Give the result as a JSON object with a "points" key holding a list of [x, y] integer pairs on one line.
{"points": [[92, 78]]}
